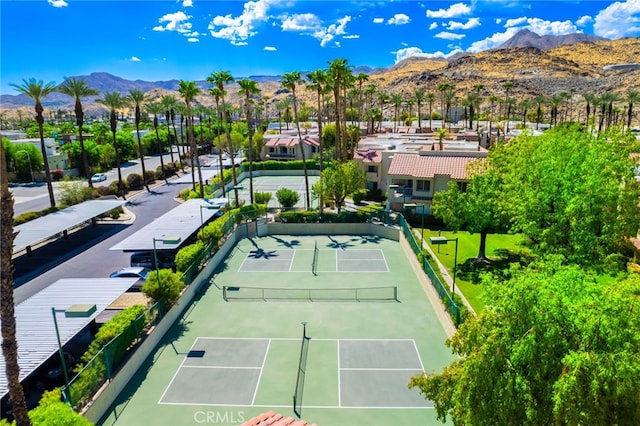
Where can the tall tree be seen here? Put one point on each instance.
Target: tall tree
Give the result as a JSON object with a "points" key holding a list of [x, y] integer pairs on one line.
{"points": [[189, 90], [77, 88], [338, 75], [168, 102], [340, 180], [419, 97], [247, 89], [136, 98], [431, 99], [217, 94], [360, 78], [219, 79], [507, 86], [37, 90], [289, 81], [570, 193], [7, 306], [114, 101], [556, 347], [396, 100], [156, 109], [633, 97]]}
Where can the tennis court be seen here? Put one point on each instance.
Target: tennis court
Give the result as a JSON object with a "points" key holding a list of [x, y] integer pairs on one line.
{"points": [[345, 358], [272, 184]]}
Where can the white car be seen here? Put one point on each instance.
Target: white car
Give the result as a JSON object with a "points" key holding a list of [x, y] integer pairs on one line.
{"points": [[133, 272], [99, 177]]}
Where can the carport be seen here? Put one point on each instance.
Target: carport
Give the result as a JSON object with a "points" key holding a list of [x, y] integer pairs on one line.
{"points": [[52, 225]]}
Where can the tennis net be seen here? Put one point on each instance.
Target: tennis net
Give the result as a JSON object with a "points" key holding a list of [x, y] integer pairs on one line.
{"points": [[314, 262], [359, 294], [302, 371]]}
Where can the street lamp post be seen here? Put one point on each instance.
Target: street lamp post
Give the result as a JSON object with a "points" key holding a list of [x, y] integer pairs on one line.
{"points": [[60, 351], [237, 188], [445, 240], [422, 208], [163, 240], [28, 159], [205, 208]]}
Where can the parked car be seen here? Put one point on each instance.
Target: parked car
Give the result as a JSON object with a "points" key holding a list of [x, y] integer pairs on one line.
{"points": [[98, 177], [146, 259], [133, 272]]}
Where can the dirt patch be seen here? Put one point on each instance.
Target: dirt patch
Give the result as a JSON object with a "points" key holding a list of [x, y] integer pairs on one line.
{"points": [[129, 299]]}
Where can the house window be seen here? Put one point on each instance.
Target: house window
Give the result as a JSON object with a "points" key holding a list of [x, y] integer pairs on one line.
{"points": [[272, 150], [283, 150], [462, 186], [423, 185], [372, 169]]}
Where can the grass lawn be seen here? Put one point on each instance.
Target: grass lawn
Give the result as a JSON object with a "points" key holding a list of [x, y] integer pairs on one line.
{"points": [[502, 249]]}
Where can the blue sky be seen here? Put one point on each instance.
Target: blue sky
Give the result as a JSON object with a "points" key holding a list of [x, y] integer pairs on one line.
{"points": [[190, 39]]}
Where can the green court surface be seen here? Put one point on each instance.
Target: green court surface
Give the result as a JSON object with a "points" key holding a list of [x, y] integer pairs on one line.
{"points": [[272, 184], [369, 327]]}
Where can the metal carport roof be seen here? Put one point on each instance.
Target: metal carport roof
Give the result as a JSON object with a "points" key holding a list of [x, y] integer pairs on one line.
{"points": [[46, 227], [177, 224], [35, 329]]}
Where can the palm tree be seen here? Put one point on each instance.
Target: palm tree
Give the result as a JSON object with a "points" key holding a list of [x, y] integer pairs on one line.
{"points": [[156, 108], [181, 110], [360, 78], [37, 90], [493, 100], [7, 306], [396, 100], [114, 101], [318, 83], [289, 81], [77, 88], [189, 90], [217, 94], [168, 102], [478, 88], [418, 95], [539, 101], [338, 77], [136, 97], [431, 99], [525, 105], [219, 79], [632, 98], [248, 88], [507, 87]]}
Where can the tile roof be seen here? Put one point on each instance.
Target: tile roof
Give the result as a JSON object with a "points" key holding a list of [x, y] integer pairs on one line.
{"points": [[271, 418], [369, 156], [290, 141], [427, 166]]}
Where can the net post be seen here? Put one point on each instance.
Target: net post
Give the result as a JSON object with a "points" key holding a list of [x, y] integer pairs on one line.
{"points": [[224, 293], [395, 293]]}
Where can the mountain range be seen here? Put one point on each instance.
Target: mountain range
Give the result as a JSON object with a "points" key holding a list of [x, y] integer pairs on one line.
{"points": [[536, 65]]}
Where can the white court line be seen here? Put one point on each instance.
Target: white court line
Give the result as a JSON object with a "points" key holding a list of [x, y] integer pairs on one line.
{"points": [[221, 367], [379, 369], [176, 373], [264, 360], [339, 386], [385, 260], [327, 407], [418, 354], [291, 261]]}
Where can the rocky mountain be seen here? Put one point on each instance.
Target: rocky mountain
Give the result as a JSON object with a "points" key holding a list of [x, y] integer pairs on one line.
{"points": [[580, 68], [527, 38]]}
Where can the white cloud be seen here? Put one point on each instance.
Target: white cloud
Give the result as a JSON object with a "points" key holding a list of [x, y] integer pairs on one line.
{"points": [[302, 23], [134, 59], [449, 36], [541, 26], [619, 19], [399, 19], [175, 22], [471, 23], [498, 21], [238, 29], [193, 39], [187, 3], [58, 3], [584, 20], [417, 52], [378, 20], [351, 36], [458, 9], [515, 22], [270, 48], [433, 26]]}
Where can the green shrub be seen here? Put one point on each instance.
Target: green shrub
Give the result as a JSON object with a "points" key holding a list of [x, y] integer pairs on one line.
{"points": [[211, 233], [135, 181], [187, 255], [118, 188], [57, 175], [168, 289], [262, 197], [26, 217], [149, 176], [51, 410], [287, 197], [359, 195], [115, 213], [74, 192]]}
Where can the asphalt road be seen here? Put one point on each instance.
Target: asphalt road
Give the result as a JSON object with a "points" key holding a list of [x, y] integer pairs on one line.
{"points": [[86, 254], [31, 197]]}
